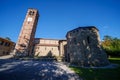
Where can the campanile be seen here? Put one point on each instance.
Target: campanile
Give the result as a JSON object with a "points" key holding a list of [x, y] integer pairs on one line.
{"points": [[25, 41]]}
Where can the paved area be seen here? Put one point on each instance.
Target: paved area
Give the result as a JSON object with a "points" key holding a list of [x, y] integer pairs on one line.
{"points": [[6, 56], [35, 70]]}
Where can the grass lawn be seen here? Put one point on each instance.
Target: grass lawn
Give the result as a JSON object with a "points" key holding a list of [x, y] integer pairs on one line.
{"points": [[99, 74]]}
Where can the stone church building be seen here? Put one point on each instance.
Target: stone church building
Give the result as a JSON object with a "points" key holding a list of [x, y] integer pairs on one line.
{"points": [[49, 47], [82, 46], [28, 45]]}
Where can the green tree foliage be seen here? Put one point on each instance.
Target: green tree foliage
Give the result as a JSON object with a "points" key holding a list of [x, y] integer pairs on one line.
{"points": [[8, 38], [111, 45]]}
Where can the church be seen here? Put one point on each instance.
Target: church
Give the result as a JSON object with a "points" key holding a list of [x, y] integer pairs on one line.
{"points": [[81, 47], [28, 45]]}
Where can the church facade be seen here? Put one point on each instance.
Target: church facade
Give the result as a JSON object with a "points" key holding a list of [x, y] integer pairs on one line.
{"points": [[49, 47]]}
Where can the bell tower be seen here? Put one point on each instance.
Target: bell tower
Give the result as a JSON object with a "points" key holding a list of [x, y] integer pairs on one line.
{"points": [[26, 37]]}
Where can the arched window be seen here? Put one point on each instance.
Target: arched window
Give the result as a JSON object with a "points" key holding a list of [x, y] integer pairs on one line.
{"points": [[31, 13]]}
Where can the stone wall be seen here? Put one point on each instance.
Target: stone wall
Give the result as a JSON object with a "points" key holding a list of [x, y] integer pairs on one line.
{"points": [[46, 47], [62, 50], [83, 47], [62, 47], [50, 47]]}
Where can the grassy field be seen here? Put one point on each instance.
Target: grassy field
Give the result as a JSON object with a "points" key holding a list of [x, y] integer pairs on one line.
{"points": [[100, 74]]}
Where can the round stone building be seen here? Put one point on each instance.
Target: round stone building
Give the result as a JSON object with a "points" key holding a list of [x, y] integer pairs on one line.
{"points": [[83, 47]]}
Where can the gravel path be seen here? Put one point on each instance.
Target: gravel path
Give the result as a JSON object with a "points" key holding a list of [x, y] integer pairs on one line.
{"points": [[6, 57], [35, 70]]}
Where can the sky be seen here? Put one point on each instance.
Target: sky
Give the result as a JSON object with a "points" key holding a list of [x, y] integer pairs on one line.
{"points": [[57, 17]]}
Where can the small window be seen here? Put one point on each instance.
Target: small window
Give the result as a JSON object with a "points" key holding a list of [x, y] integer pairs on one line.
{"points": [[6, 44], [3, 53], [88, 39], [9, 44], [1, 42], [75, 41], [7, 53]]}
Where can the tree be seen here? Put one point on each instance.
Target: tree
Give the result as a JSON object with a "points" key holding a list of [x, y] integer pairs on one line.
{"points": [[107, 37], [111, 45], [8, 38]]}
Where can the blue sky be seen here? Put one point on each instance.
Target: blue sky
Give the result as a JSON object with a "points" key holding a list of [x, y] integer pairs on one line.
{"points": [[59, 16]]}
